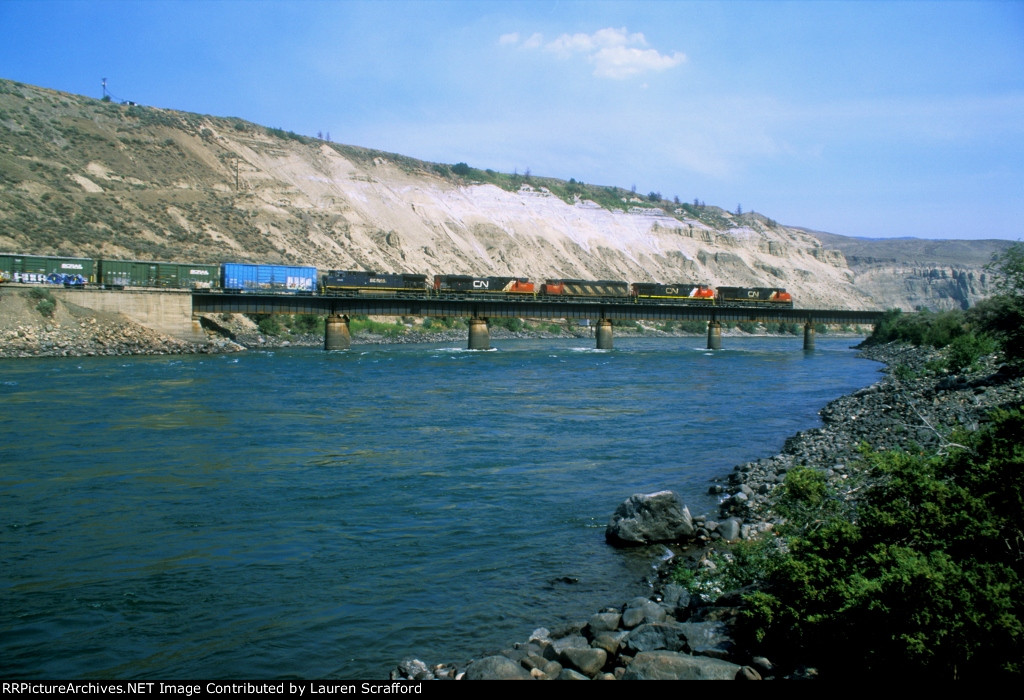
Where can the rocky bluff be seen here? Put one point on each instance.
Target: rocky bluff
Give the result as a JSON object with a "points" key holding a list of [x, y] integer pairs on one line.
{"points": [[92, 178]]}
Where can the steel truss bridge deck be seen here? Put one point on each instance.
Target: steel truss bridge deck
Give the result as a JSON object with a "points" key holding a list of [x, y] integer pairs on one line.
{"points": [[216, 302]]}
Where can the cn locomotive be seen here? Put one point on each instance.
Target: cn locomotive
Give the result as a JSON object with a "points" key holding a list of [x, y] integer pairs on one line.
{"points": [[242, 278]]}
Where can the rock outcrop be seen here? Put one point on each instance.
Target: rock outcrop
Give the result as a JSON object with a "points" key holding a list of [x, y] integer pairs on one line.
{"points": [[648, 519]]}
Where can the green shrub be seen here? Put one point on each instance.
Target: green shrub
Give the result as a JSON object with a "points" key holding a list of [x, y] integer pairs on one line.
{"points": [[307, 324], [388, 330], [920, 576], [693, 326], [40, 294], [46, 307], [965, 350], [904, 373], [735, 566], [1002, 316], [269, 325], [512, 324], [919, 328]]}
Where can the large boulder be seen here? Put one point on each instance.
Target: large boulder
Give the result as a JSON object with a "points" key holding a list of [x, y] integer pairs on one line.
{"points": [[710, 638], [587, 661], [649, 518], [654, 636], [672, 665], [641, 610], [496, 668]]}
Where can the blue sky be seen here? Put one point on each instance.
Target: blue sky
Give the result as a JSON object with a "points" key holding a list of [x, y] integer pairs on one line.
{"points": [[872, 119]]}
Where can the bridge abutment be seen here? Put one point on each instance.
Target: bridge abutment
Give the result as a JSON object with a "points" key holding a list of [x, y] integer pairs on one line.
{"points": [[714, 335], [167, 311], [808, 336], [336, 334], [604, 334], [479, 335]]}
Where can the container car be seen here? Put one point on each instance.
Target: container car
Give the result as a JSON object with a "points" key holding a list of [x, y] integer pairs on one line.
{"points": [[360, 282], [46, 269], [678, 291], [245, 277], [118, 274]]}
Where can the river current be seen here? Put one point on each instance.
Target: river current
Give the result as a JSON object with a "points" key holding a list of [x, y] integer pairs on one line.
{"points": [[305, 514]]}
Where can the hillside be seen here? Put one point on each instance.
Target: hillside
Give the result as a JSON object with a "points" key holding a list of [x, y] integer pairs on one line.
{"points": [[80, 176]]}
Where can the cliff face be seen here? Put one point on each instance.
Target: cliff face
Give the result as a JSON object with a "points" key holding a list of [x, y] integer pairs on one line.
{"points": [[915, 273], [84, 177], [931, 287]]}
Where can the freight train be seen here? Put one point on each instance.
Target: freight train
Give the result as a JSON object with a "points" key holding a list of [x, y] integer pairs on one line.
{"points": [[284, 279]]}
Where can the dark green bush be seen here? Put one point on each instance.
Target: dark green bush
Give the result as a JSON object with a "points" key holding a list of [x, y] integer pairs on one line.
{"points": [[269, 325], [965, 350], [919, 328], [921, 576], [512, 324], [693, 326], [46, 307], [306, 324]]}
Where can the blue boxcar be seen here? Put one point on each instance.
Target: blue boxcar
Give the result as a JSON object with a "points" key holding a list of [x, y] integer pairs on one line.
{"points": [[244, 277]]}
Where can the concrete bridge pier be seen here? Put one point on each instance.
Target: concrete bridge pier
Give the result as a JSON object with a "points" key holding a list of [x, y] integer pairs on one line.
{"points": [[808, 336], [336, 335], [714, 335], [604, 334], [479, 336]]}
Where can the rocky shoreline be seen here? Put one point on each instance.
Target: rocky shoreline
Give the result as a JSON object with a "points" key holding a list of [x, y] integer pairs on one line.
{"points": [[681, 634]]}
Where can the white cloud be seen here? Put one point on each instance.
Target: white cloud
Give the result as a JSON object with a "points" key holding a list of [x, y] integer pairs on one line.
{"points": [[615, 53], [533, 42], [620, 62]]}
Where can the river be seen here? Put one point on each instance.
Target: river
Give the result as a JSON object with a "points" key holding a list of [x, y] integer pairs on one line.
{"points": [[302, 514]]}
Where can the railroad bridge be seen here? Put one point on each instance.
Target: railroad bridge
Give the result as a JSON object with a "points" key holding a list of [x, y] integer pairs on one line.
{"points": [[480, 308]]}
